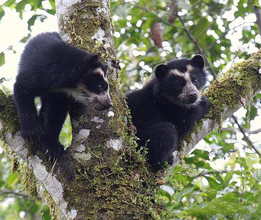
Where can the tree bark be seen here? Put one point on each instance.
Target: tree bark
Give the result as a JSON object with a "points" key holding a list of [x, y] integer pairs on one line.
{"points": [[101, 176]]}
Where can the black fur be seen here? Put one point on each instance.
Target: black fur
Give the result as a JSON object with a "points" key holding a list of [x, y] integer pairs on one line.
{"points": [[163, 112], [51, 69]]}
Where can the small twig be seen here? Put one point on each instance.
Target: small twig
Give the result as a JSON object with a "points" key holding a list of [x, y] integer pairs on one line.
{"points": [[156, 14], [200, 51], [253, 132], [9, 192], [258, 17], [246, 130], [51, 172], [203, 174], [248, 141]]}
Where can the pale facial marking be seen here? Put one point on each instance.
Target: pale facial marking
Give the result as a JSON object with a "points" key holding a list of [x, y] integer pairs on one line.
{"points": [[78, 95], [185, 75], [189, 68], [91, 96], [185, 93], [189, 86], [100, 72], [81, 93], [100, 101]]}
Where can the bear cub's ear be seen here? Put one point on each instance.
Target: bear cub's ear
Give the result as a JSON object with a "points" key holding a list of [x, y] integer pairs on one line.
{"points": [[198, 61], [93, 59], [161, 71], [89, 60]]}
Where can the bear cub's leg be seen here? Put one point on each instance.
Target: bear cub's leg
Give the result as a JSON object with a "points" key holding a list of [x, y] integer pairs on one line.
{"points": [[31, 126], [55, 107], [161, 141]]}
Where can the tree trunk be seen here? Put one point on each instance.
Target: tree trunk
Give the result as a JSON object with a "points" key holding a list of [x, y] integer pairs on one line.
{"points": [[101, 176]]}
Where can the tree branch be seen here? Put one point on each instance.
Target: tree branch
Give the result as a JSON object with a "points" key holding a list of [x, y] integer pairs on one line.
{"points": [[258, 17], [242, 80], [100, 175], [200, 51], [248, 141], [12, 193]]}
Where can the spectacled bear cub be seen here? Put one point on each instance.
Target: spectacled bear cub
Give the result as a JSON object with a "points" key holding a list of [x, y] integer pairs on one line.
{"points": [[167, 107], [56, 72]]}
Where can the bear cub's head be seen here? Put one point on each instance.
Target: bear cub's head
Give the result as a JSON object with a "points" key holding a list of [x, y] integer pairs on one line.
{"points": [[180, 81], [93, 86]]}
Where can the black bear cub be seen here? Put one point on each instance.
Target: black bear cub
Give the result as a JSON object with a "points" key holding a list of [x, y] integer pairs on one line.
{"points": [[168, 106], [58, 73]]}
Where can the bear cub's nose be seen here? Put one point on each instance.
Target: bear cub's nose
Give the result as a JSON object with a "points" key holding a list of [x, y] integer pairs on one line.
{"points": [[193, 97]]}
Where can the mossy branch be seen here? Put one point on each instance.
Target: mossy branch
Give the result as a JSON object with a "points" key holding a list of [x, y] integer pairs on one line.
{"points": [[100, 176], [241, 82]]}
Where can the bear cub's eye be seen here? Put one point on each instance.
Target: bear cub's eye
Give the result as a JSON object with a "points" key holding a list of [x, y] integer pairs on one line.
{"points": [[102, 87], [194, 80], [180, 83]]}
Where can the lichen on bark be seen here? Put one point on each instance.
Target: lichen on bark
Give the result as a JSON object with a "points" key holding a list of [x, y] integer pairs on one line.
{"points": [[109, 181]]}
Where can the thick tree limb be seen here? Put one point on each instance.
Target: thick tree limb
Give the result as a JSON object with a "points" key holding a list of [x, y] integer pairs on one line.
{"points": [[241, 81], [97, 178]]}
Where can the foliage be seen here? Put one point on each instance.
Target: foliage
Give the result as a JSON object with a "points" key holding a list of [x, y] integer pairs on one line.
{"points": [[204, 190], [214, 27], [39, 12], [219, 180], [14, 203]]}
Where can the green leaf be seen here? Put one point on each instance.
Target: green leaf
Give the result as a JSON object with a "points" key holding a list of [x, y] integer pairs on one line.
{"points": [[165, 194], [20, 7], [32, 20], [2, 58], [227, 178], [213, 183], [184, 193], [2, 13], [25, 39], [12, 179], [201, 153], [2, 80], [52, 3], [9, 3], [252, 113]]}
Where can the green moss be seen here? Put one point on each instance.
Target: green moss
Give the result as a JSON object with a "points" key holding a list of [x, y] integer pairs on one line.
{"points": [[27, 179], [51, 204], [81, 33], [241, 81], [113, 184], [118, 187], [8, 115], [116, 184]]}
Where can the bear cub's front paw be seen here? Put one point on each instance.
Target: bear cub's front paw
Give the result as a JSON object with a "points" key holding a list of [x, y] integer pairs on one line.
{"points": [[52, 150]]}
